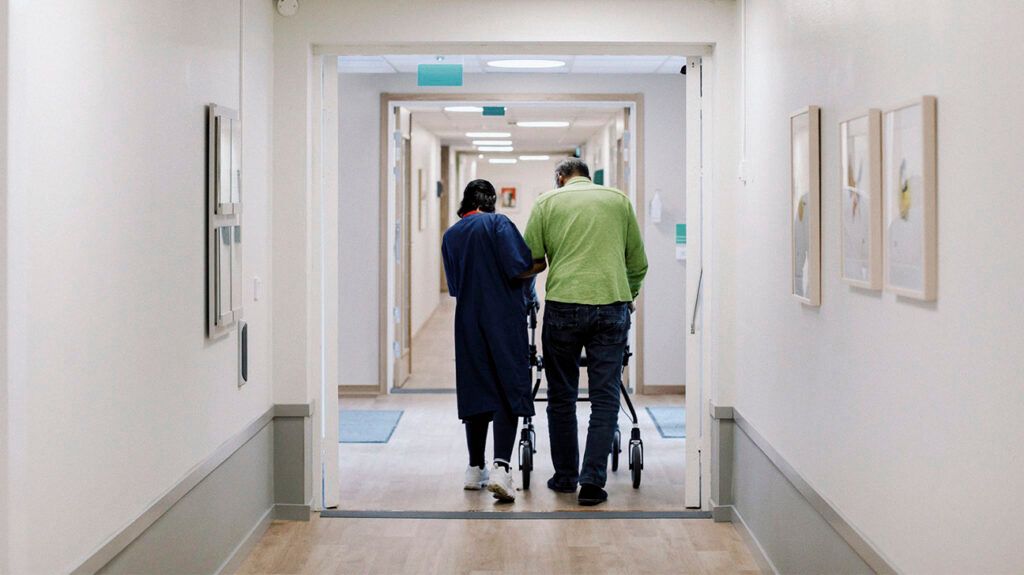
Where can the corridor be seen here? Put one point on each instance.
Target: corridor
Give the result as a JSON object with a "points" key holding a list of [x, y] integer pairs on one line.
{"points": [[226, 338]]}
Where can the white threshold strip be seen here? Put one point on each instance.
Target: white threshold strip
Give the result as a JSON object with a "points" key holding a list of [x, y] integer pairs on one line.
{"points": [[514, 515]]}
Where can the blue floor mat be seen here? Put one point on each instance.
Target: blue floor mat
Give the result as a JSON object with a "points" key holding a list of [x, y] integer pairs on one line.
{"points": [[670, 420], [367, 425]]}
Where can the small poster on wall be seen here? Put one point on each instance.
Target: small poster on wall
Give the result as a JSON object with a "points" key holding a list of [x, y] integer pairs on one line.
{"points": [[509, 200]]}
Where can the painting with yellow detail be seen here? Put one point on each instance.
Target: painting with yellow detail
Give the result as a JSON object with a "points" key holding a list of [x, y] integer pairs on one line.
{"points": [[903, 165]]}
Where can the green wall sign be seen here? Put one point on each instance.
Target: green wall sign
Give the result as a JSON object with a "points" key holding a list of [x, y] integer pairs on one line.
{"points": [[439, 75]]}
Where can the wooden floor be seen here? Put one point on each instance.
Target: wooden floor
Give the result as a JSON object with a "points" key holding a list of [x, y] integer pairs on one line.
{"points": [[591, 547], [421, 467]]}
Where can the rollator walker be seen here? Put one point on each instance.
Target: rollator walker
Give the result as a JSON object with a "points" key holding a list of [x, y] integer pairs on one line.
{"points": [[528, 437]]}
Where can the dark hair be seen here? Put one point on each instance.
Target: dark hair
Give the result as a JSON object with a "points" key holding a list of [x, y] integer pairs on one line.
{"points": [[479, 195], [572, 167]]}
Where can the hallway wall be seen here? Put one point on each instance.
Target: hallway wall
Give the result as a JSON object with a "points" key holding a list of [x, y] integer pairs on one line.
{"points": [[426, 242], [4, 480], [904, 416], [115, 392], [665, 149]]}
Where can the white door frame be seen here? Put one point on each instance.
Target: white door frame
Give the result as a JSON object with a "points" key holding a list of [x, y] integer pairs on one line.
{"points": [[322, 244]]}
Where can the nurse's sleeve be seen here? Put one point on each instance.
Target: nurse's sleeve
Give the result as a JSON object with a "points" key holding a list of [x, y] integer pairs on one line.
{"points": [[513, 254], [449, 267]]}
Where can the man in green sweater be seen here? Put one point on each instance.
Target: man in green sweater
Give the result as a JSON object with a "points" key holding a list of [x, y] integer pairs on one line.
{"points": [[589, 238]]}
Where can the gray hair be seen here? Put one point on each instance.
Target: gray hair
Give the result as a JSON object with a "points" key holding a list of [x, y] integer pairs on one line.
{"points": [[572, 167]]}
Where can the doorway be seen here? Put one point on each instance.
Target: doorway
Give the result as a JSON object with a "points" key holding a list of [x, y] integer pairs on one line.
{"points": [[619, 153]]}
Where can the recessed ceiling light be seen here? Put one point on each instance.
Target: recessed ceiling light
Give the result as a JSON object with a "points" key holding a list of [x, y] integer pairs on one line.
{"points": [[480, 156], [492, 142], [534, 158], [543, 124], [473, 109], [488, 134], [495, 148], [526, 64], [503, 160]]}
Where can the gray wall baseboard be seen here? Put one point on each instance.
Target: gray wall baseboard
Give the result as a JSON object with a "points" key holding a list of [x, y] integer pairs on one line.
{"points": [[209, 521], [791, 525]]}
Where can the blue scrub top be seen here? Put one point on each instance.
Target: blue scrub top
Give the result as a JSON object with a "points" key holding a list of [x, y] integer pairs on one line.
{"points": [[483, 253]]}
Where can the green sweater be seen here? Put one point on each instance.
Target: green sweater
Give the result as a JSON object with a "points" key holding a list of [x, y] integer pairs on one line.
{"points": [[591, 239]]}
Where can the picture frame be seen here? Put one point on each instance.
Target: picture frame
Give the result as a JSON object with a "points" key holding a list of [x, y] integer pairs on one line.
{"points": [[909, 189], [508, 199], [805, 205], [860, 200]]}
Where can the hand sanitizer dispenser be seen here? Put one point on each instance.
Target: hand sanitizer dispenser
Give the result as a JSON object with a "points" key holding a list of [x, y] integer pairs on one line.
{"points": [[655, 208]]}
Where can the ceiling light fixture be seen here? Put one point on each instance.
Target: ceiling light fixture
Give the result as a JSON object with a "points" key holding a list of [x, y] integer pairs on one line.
{"points": [[492, 142], [495, 149], [470, 109], [544, 124], [503, 161], [526, 64], [488, 134], [480, 156], [534, 158]]}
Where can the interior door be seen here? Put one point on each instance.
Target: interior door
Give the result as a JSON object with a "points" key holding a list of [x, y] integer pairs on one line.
{"points": [[443, 214], [403, 265]]}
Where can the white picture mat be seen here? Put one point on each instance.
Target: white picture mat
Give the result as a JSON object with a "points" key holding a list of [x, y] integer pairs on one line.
{"points": [[860, 200], [909, 191], [805, 205]]}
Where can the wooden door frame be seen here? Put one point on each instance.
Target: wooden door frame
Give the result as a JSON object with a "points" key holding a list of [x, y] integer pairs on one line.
{"points": [[635, 101]]}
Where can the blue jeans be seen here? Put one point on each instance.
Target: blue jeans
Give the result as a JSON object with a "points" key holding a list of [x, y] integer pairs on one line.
{"points": [[568, 329]]}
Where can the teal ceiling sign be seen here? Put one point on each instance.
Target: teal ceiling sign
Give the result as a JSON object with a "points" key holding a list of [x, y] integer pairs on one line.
{"points": [[439, 75], [494, 110]]}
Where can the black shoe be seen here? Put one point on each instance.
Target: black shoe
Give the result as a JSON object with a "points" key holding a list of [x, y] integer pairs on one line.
{"points": [[592, 495], [560, 486]]}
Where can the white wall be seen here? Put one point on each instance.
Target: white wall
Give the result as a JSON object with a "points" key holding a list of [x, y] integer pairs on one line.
{"points": [[115, 391], [905, 416], [326, 22], [4, 479], [426, 242], [665, 169]]}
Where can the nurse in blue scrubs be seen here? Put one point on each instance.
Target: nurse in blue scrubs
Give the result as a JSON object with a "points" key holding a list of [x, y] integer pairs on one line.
{"points": [[488, 267]]}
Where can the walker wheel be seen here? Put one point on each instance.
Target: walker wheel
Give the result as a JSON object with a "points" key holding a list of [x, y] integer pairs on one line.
{"points": [[616, 449], [526, 462], [636, 462]]}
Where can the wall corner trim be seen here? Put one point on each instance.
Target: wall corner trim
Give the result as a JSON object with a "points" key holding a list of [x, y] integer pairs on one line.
{"points": [[163, 504], [721, 411]]}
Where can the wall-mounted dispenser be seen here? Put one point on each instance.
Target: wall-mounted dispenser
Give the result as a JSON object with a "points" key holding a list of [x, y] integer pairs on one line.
{"points": [[243, 353]]}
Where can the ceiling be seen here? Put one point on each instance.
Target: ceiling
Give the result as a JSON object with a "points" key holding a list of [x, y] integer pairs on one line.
{"points": [[585, 120], [406, 64]]}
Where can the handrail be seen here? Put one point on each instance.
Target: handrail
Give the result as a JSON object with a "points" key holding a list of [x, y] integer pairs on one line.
{"points": [[696, 302]]}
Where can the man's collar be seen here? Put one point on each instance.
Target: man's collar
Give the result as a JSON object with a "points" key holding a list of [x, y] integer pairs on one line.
{"points": [[578, 179]]}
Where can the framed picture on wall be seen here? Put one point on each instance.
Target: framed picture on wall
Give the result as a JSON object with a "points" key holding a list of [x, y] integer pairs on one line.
{"points": [[860, 173], [421, 191], [508, 199], [909, 189], [805, 204]]}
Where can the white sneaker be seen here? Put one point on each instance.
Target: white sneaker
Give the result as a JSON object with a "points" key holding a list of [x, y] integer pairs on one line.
{"points": [[501, 484], [476, 478]]}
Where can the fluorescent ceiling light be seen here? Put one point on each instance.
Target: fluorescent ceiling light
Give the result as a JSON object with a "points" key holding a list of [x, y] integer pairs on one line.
{"points": [[526, 64], [503, 160], [492, 142], [488, 134], [534, 158], [495, 148], [480, 156], [543, 124], [476, 109]]}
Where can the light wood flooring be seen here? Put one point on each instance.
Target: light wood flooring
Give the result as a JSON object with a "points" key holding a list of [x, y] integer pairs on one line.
{"points": [[421, 467], [391, 546]]}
